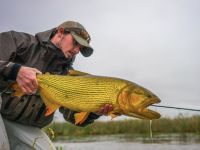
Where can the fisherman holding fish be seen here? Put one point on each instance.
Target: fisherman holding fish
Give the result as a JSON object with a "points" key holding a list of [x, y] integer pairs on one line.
{"points": [[22, 56]]}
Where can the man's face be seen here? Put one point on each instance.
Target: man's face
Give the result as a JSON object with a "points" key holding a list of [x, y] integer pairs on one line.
{"points": [[68, 45]]}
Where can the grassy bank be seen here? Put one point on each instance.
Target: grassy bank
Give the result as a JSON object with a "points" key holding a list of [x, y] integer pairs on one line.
{"points": [[164, 125]]}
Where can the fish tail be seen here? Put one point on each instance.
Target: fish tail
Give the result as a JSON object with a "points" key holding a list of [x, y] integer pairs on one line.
{"points": [[17, 90]]}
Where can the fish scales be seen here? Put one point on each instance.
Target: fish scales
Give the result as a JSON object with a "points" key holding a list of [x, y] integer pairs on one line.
{"points": [[86, 93], [89, 88]]}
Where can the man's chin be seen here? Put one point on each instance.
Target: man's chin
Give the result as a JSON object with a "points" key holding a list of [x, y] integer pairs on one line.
{"points": [[68, 55]]}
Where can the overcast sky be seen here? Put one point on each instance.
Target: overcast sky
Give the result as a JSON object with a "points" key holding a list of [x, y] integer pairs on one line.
{"points": [[155, 43]]}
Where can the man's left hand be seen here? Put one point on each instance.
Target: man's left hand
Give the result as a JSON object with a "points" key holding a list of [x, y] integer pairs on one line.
{"points": [[104, 110]]}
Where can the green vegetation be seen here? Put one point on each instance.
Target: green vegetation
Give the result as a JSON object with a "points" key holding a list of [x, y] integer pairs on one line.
{"points": [[179, 124]]}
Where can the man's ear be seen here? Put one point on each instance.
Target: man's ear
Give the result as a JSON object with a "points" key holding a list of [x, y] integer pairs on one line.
{"points": [[60, 32]]}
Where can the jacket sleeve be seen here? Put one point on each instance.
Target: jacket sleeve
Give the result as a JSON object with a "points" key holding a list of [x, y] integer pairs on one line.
{"points": [[69, 116], [10, 44]]}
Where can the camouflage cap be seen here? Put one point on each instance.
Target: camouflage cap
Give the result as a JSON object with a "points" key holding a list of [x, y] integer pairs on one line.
{"points": [[80, 34]]}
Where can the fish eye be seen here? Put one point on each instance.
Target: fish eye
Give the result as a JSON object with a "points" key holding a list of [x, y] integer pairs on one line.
{"points": [[149, 96], [138, 91]]}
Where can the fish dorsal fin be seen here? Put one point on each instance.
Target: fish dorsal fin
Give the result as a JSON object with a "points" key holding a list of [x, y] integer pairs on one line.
{"points": [[80, 117], [17, 90], [77, 73], [47, 73]]}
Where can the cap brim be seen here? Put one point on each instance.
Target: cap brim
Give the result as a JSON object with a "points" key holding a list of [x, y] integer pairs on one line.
{"points": [[86, 50]]}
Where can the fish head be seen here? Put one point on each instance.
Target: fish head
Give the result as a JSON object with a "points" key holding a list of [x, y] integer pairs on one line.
{"points": [[133, 100]]}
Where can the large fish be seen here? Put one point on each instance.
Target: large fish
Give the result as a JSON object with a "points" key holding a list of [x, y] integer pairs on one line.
{"points": [[87, 93]]}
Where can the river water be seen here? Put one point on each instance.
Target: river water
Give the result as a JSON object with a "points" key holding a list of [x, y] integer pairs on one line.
{"points": [[127, 146], [120, 142]]}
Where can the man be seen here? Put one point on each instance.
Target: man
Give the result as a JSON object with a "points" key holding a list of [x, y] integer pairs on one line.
{"points": [[21, 57]]}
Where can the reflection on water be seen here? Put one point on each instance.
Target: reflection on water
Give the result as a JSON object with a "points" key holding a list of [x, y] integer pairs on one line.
{"points": [[129, 142]]}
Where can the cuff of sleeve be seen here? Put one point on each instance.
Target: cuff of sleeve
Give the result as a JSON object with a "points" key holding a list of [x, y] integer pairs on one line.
{"points": [[94, 116], [91, 118], [13, 71]]}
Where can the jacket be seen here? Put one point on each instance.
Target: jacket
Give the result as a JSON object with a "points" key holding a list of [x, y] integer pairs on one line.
{"points": [[21, 49]]}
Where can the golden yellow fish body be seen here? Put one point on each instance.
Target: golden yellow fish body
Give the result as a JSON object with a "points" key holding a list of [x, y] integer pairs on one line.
{"points": [[80, 93], [87, 93]]}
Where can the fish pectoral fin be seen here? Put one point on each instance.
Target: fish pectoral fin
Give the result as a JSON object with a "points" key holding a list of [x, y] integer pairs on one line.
{"points": [[113, 115], [51, 109], [77, 73], [17, 90], [80, 117]]}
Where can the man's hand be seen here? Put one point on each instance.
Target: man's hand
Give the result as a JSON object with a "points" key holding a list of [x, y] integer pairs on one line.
{"points": [[26, 78], [105, 109]]}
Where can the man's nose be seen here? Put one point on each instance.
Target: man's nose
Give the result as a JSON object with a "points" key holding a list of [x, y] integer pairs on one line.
{"points": [[77, 50]]}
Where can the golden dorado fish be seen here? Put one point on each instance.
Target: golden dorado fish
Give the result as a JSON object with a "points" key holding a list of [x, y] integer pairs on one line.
{"points": [[87, 93]]}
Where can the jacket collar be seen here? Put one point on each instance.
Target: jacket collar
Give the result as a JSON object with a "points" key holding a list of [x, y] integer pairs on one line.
{"points": [[44, 39]]}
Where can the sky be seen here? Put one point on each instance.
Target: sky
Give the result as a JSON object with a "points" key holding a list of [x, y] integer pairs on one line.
{"points": [[154, 43]]}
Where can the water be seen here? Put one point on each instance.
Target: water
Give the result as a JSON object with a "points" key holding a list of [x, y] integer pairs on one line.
{"points": [[127, 146], [150, 129], [125, 142]]}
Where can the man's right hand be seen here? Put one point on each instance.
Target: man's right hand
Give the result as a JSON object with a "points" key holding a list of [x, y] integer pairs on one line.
{"points": [[26, 79]]}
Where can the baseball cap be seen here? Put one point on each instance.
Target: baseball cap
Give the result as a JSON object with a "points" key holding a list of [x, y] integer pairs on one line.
{"points": [[80, 34]]}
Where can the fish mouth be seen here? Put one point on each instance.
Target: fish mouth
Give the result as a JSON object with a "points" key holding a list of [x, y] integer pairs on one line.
{"points": [[142, 111], [137, 105], [148, 113]]}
